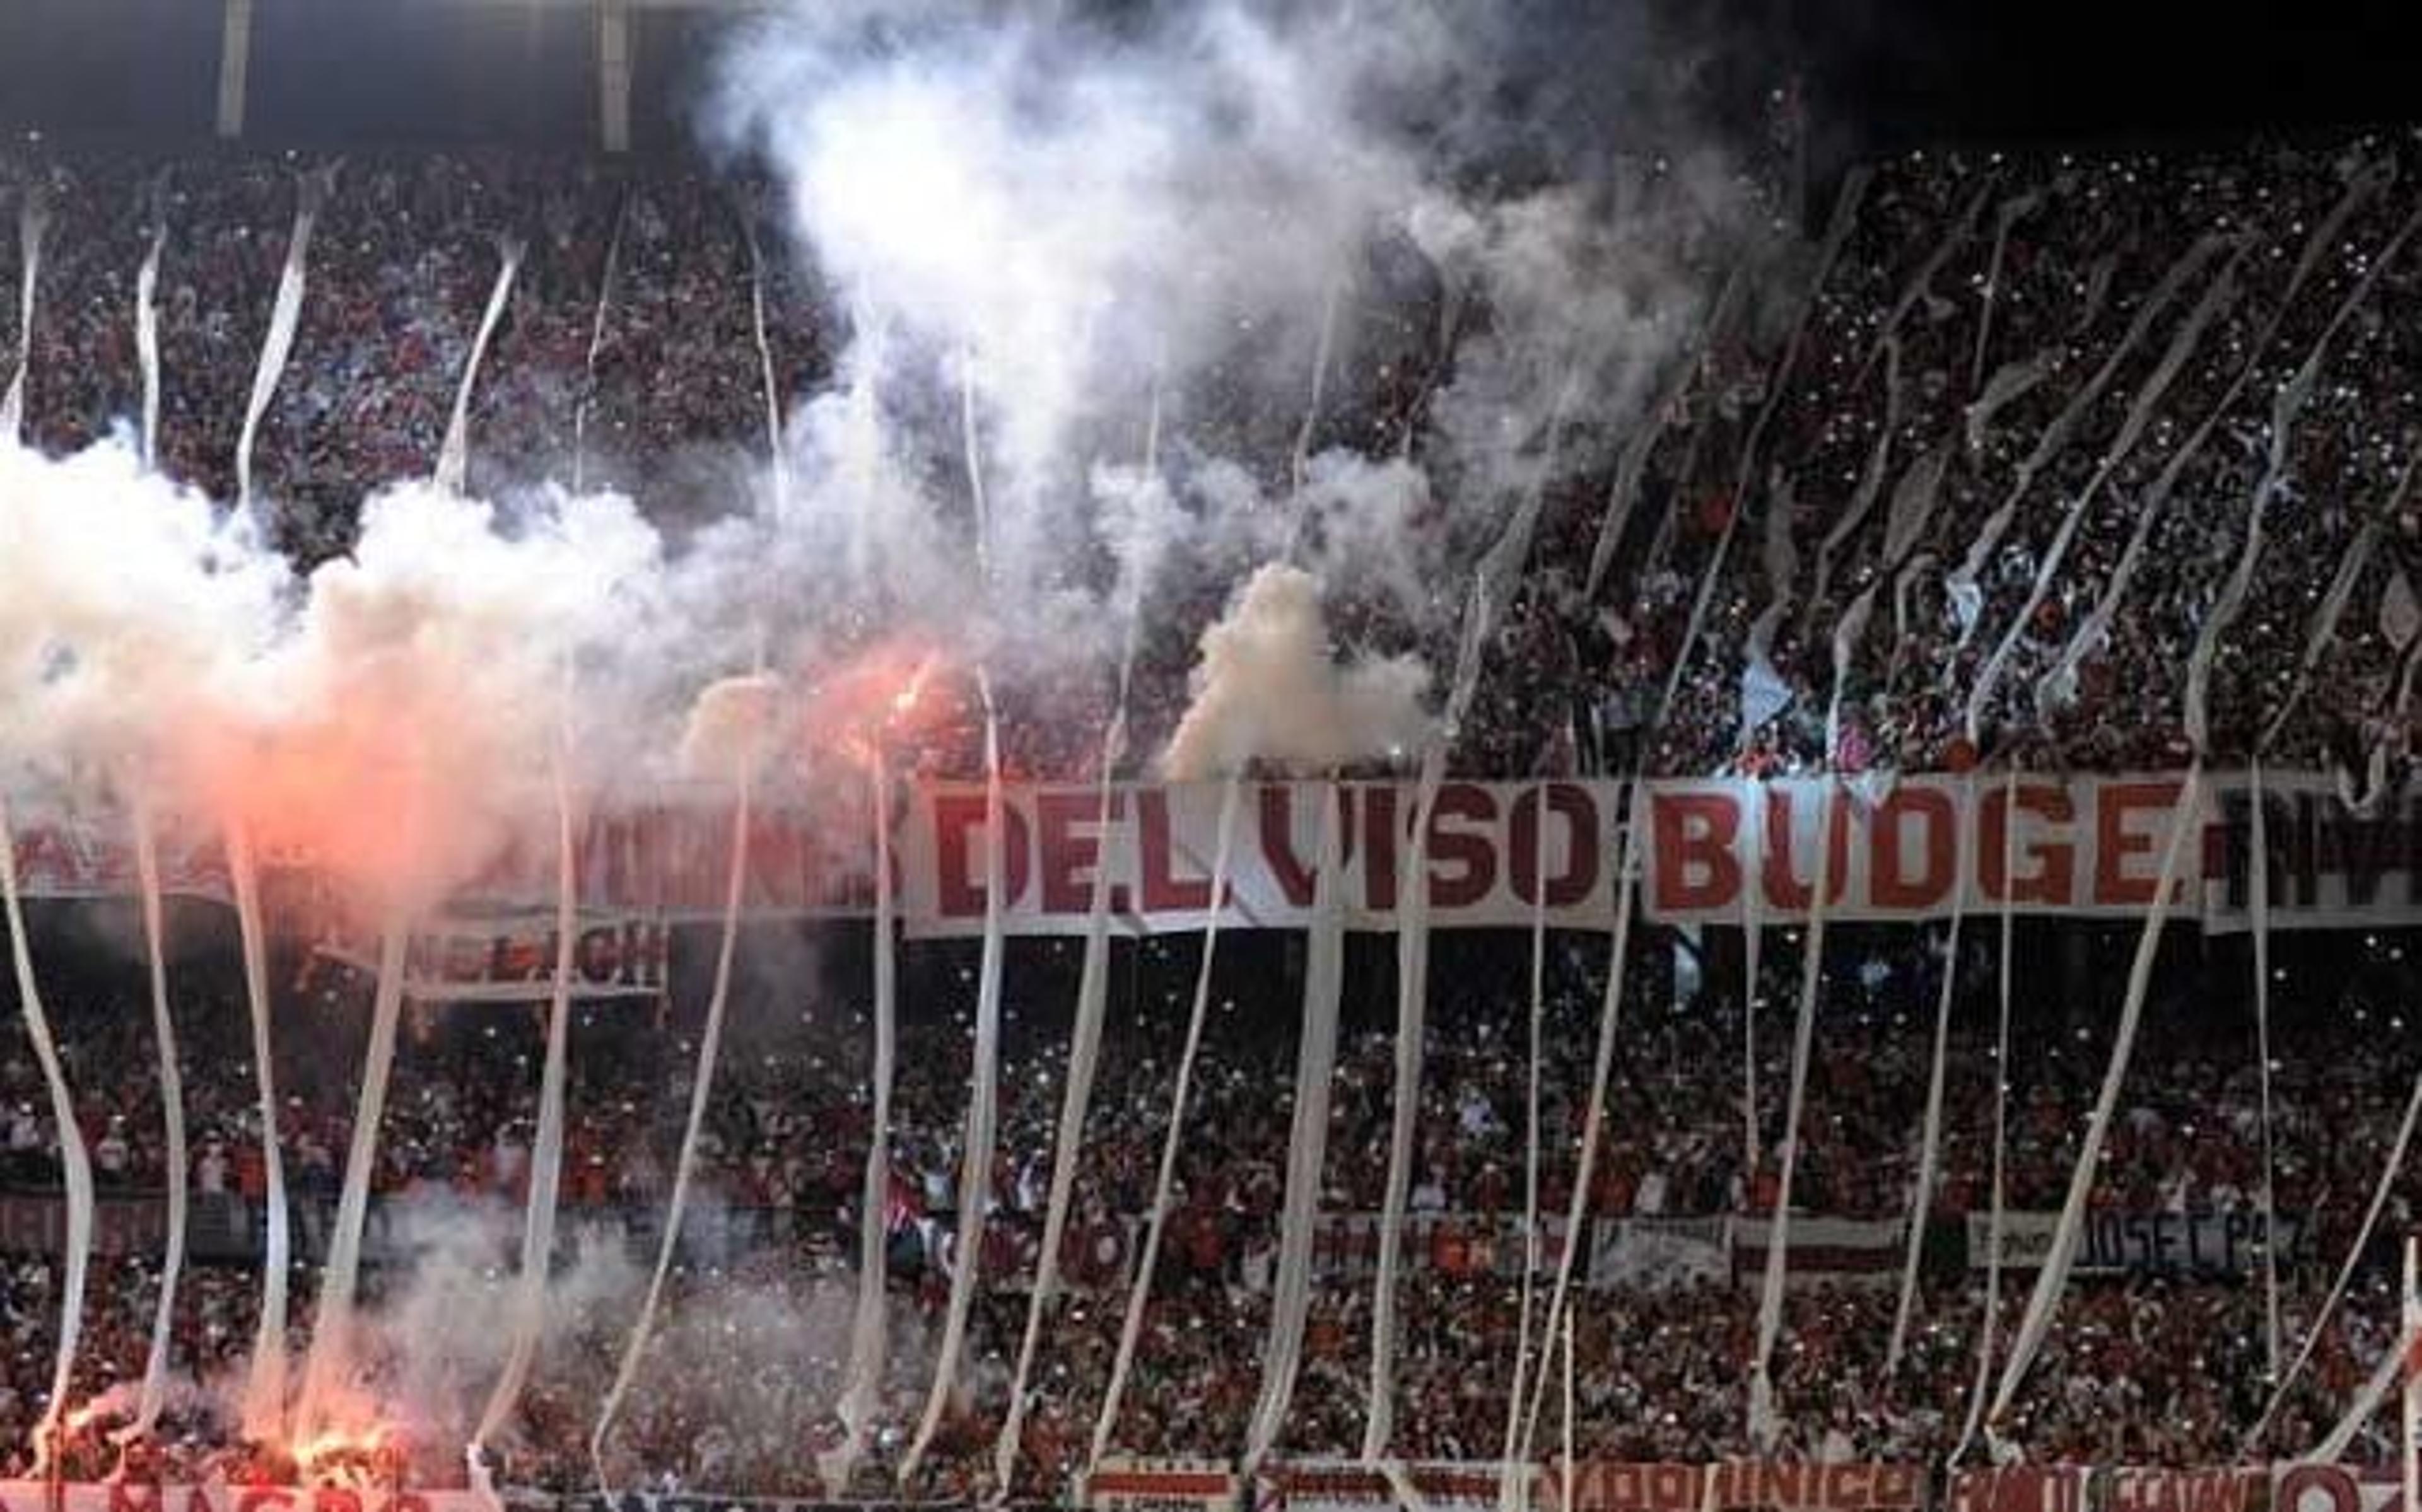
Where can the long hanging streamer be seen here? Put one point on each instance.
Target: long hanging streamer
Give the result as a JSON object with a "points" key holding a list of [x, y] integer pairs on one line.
{"points": [[311, 192], [2006, 215], [1871, 481], [147, 326], [2285, 408], [2389, 1172], [1762, 1421], [1988, 1322], [76, 1162], [33, 219], [1960, 584], [1623, 490], [332, 1328], [2215, 297], [546, 1150], [975, 1166], [1846, 212], [2260, 900], [172, 1108], [1085, 1033], [2324, 624], [1930, 1139], [596, 343], [454, 456], [1610, 1021], [1165, 1178], [1307, 1139], [1536, 1018], [778, 455], [1753, 950], [264, 1393], [1084, 1054], [2054, 1277], [862, 1386], [710, 1041], [1953, 240], [2375, 1389], [2056, 685], [1493, 584]]}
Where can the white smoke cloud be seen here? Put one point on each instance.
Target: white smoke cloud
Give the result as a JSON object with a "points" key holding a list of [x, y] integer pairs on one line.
{"points": [[1269, 687]]}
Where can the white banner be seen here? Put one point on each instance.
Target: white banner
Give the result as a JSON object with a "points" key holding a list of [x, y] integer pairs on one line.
{"points": [[2226, 1244], [1658, 1254], [1350, 1485], [510, 958], [2086, 847], [1119, 1485]]}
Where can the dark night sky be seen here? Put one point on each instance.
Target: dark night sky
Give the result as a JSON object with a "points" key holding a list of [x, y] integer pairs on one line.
{"points": [[1878, 73], [1890, 70]]}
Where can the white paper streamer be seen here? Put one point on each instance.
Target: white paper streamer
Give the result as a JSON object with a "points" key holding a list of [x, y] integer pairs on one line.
{"points": [[147, 328], [1164, 1181], [2054, 1277], [778, 455], [1084, 1054], [2010, 382], [1845, 211], [1307, 1142], [1930, 1137], [710, 1042], [596, 341], [454, 455], [75, 1163], [264, 1393], [2389, 1172], [1988, 1322], [1764, 1424], [311, 192], [546, 1150], [154, 1390], [2259, 907], [861, 1385], [1536, 1024], [2215, 297], [1412, 1025], [33, 219], [1961, 585], [983, 1114], [331, 1355], [2007, 214], [1512, 1486], [2334, 1446]]}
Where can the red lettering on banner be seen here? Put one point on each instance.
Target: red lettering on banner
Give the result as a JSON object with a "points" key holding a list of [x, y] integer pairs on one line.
{"points": [[2052, 878], [1784, 890], [1066, 857], [334, 1499], [198, 1500], [959, 887], [1294, 875], [1380, 848], [1892, 886], [2116, 839], [2310, 1488], [1579, 814], [254, 1498], [2180, 1491], [1694, 835], [133, 1496], [1164, 891], [1471, 853]]}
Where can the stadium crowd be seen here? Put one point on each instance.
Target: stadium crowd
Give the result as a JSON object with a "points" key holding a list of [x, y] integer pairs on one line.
{"points": [[2048, 411]]}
